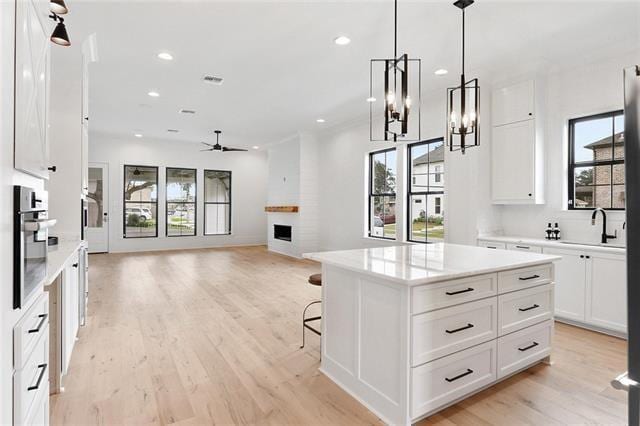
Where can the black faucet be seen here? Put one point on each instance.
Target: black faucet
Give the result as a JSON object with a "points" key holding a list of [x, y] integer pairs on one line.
{"points": [[605, 236]]}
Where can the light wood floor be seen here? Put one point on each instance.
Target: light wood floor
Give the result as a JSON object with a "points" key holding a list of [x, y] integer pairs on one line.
{"points": [[211, 337]]}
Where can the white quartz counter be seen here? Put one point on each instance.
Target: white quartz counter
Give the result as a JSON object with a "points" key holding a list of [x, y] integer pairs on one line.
{"points": [[58, 257], [561, 244], [421, 264]]}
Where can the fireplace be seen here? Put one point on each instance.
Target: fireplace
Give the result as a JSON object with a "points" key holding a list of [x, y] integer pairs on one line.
{"points": [[282, 232]]}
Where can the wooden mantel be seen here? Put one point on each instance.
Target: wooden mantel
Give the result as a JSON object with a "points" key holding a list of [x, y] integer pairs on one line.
{"points": [[281, 209]]}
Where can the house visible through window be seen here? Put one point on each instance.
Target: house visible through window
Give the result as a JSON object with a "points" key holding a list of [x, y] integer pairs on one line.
{"points": [[426, 191], [181, 202], [140, 202], [217, 202], [382, 194], [596, 162]]}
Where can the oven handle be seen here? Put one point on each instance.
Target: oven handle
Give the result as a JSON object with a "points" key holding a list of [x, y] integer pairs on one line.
{"points": [[39, 224]]}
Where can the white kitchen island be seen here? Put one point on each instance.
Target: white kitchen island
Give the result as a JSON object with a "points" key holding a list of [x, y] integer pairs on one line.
{"points": [[410, 330]]}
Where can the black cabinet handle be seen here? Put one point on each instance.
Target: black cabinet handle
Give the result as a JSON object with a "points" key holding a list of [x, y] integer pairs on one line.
{"points": [[531, 346], [460, 376], [453, 293], [37, 385], [582, 256], [75, 265], [43, 318], [588, 257], [532, 277], [529, 308], [466, 327], [524, 247]]}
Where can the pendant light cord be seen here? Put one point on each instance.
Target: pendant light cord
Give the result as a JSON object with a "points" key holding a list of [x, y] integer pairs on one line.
{"points": [[462, 41], [395, 29]]}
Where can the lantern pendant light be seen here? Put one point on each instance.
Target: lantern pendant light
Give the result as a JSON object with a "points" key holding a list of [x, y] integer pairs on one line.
{"points": [[401, 96], [463, 103]]}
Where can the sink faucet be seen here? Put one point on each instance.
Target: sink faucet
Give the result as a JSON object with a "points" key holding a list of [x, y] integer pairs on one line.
{"points": [[605, 236]]}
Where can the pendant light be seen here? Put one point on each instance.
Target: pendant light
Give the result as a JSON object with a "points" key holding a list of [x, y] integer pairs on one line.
{"points": [[400, 100], [463, 103], [58, 7], [59, 35]]}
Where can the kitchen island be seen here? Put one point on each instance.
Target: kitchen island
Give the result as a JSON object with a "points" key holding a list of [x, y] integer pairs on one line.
{"points": [[410, 330]]}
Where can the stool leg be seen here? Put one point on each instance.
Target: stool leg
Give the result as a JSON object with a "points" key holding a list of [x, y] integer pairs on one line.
{"points": [[304, 313]]}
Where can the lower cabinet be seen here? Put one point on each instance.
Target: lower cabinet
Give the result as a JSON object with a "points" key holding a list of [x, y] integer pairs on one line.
{"points": [[70, 311], [591, 288]]}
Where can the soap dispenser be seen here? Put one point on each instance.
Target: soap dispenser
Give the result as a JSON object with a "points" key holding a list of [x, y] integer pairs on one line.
{"points": [[549, 231], [556, 232]]}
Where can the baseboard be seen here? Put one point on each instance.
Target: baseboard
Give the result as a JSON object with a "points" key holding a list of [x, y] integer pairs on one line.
{"points": [[592, 328]]}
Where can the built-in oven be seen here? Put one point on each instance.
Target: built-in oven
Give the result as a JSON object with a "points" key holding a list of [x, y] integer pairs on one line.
{"points": [[30, 232]]}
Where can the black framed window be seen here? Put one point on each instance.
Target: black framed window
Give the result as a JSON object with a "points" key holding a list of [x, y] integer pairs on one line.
{"points": [[217, 202], [181, 202], [382, 194], [140, 202], [596, 162], [426, 207]]}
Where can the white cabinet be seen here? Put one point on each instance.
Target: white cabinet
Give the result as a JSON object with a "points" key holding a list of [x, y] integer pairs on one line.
{"points": [[591, 288], [70, 310], [513, 103], [517, 155]]}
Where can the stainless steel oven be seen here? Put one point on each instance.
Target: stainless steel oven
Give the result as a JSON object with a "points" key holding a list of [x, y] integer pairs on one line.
{"points": [[30, 232]]}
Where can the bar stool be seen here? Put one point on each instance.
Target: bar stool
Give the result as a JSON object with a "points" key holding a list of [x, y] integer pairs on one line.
{"points": [[316, 280]]}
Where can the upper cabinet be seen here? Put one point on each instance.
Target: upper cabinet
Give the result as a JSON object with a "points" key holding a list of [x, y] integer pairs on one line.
{"points": [[513, 103], [32, 87], [517, 146]]}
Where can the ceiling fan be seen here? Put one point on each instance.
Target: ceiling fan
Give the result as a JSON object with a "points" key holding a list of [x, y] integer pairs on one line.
{"points": [[218, 147]]}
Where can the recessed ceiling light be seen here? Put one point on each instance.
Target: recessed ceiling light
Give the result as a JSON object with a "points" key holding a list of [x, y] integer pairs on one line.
{"points": [[320, 120], [441, 71], [255, 147], [342, 40], [153, 94], [138, 135], [165, 56], [371, 99]]}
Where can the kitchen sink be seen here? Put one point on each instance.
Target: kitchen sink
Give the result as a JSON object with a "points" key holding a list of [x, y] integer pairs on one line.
{"points": [[579, 243]]}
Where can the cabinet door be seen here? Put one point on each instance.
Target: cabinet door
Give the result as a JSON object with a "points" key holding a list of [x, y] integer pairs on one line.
{"points": [[607, 292], [570, 279], [513, 103], [513, 163], [70, 311]]}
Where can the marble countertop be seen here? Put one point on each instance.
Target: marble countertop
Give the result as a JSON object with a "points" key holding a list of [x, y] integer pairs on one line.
{"points": [[58, 256], [428, 263], [567, 244]]}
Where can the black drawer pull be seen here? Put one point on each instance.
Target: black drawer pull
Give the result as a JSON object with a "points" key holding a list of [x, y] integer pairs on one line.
{"points": [[524, 247], [532, 277], [37, 385], [460, 376], [43, 318], [466, 327], [453, 293], [531, 346], [529, 308]]}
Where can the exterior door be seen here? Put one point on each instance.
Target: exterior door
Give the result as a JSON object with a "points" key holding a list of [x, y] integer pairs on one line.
{"points": [[98, 208]]}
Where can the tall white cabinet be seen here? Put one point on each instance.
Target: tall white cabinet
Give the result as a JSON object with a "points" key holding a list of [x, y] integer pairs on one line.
{"points": [[517, 145]]}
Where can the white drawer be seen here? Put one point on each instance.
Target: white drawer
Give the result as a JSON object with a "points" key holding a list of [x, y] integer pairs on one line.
{"points": [[442, 332], [522, 348], [29, 329], [33, 379], [492, 245], [517, 279], [435, 296], [442, 381], [523, 308], [524, 247]]}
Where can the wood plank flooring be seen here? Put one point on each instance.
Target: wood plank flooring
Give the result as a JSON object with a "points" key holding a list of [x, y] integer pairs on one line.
{"points": [[204, 337]]}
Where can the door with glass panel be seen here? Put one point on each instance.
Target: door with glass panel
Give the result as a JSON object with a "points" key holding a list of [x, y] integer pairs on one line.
{"points": [[98, 208]]}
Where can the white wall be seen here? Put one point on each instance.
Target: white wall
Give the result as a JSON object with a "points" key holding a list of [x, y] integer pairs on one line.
{"points": [[249, 189]]}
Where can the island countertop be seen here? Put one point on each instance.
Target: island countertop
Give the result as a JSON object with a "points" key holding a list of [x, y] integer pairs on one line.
{"points": [[427, 263]]}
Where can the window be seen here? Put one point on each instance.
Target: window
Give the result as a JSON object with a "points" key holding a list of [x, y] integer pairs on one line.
{"points": [[181, 202], [426, 191], [596, 162], [140, 202], [382, 194], [217, 202]]}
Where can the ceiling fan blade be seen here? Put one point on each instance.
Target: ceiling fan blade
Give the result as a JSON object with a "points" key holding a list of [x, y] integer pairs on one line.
{"points": [[209, 149], [227, 149], [207, 144]]}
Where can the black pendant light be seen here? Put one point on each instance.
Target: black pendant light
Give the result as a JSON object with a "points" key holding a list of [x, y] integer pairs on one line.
{"points": [[463, 104], [58, 7], [400, 98], [59, 35]]}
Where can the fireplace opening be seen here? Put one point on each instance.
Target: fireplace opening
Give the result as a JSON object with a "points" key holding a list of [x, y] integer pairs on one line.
{"points": [[282, 232]]}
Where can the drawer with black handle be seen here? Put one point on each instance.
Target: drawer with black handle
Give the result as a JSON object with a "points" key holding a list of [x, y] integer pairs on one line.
{"points": [[30, 329], [524, 308], [32, 379], [518, 350], [518, 279]]}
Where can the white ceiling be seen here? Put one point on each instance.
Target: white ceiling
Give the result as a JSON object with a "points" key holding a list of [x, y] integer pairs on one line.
{"points": [[282, 70]]}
